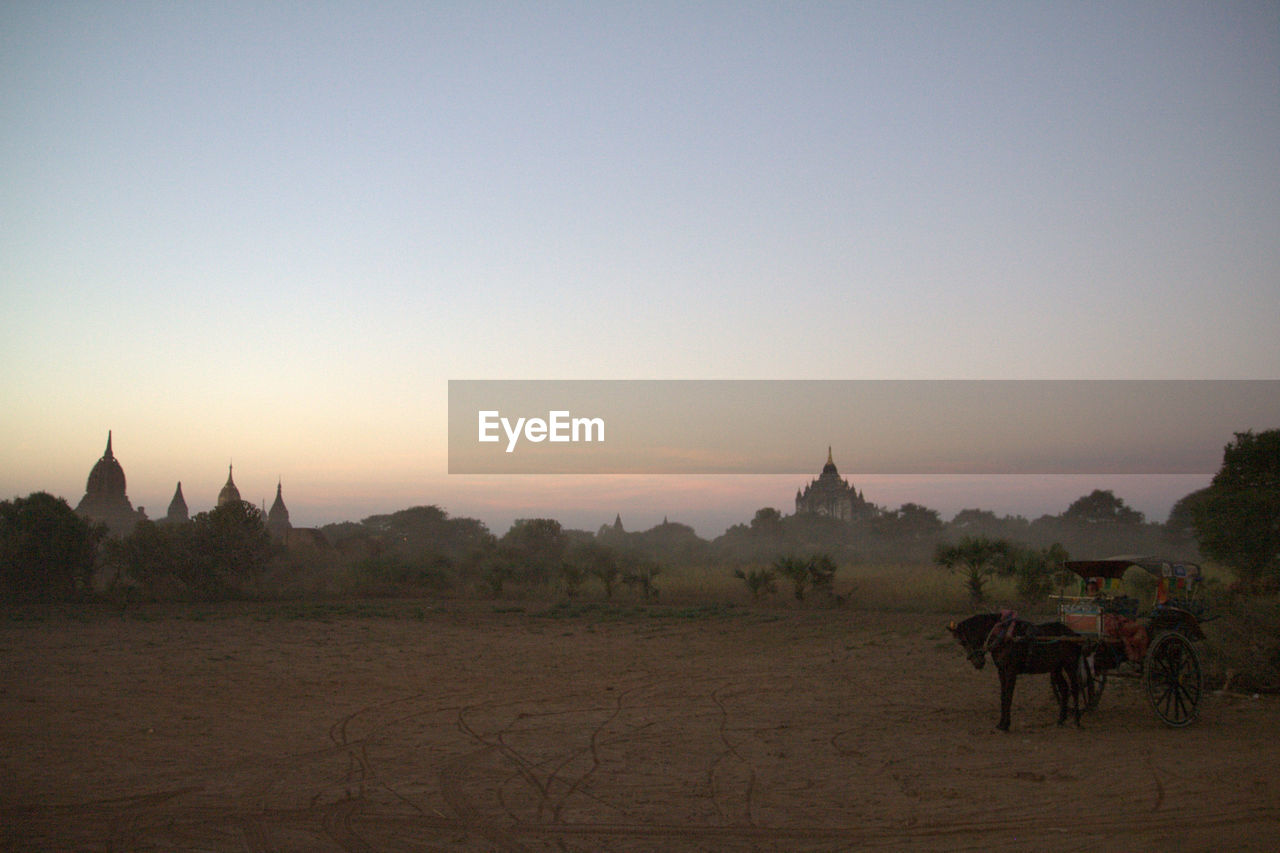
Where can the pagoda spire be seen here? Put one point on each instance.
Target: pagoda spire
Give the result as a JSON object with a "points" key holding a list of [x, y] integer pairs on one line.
{"points": [[229, 492], [278, 516], [829, 460], [108, 454], [177, 506]]}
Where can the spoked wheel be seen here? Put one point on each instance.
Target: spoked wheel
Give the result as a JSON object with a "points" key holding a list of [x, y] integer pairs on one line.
{"points": [[1171, 673]]}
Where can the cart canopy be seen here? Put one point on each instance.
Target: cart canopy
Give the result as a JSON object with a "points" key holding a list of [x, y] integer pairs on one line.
{"points": [[1115, 567]]}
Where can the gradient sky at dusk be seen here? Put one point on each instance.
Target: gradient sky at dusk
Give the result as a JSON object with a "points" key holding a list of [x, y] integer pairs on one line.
{"points": [[269, 234]]}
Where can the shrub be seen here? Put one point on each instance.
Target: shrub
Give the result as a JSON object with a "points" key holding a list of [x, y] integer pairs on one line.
{"points": [[571, 578], [977, 558], [758, 581], [817, 572], [640, 574], [47, 552], [1237, 518], [389, 576], [1035, 569], [1247, 641]]}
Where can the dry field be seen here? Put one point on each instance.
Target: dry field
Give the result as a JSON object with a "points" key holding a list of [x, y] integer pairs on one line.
{"points": [[464, 727]]}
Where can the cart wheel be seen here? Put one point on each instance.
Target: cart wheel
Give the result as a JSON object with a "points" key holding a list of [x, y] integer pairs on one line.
{"points": [[1172, 677]]}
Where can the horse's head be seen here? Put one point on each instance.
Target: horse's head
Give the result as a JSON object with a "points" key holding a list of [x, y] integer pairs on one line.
{"points": [[971, 634]]}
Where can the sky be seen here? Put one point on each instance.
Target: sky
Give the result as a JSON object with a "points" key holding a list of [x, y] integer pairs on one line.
{"points": [[268, 235]]}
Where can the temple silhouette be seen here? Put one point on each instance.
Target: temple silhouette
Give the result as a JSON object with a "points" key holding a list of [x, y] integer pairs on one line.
{"points": [[106, 500], [105, 497], [830, 494]]}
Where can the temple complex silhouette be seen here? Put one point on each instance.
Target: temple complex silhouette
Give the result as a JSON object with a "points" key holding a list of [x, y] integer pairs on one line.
{"points": [[106, 500], [830, 494]]}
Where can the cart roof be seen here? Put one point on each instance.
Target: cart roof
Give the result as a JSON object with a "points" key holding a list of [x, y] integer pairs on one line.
{"points": [[1115, 567]]}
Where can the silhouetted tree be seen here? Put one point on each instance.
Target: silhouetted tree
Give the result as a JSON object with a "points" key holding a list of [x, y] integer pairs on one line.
{"points": [[822, 572], [535, 548], [229, 548], [639, 572], [669, 543], [1178, 534], [495, 571], [594, 559], [1036, 569], [911, 521], [1101, 507], [817, 571], [758, 581], [1238, 520], [426, 538], [1181, 523], [47, 552], [151, 556], [977, 558], [795, 570], [975, 521], [983, 522], [767, 521]]}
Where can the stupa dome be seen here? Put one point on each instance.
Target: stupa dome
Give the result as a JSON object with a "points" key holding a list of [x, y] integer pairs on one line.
{"points": [[106, 478], [104, 495], [229, 492]]}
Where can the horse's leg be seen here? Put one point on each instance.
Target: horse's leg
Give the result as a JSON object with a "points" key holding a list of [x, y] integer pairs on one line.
{"points": [[1073, 678], [1008, 678], [1060, 687]]}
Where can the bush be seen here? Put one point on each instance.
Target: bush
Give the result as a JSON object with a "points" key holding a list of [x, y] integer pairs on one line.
{"points": [[639, 574], [389, 576], [221, 554], [1247, 641], [47, 552], [758, 581], [1035, 570], [977, 559], [1237, 518], [816, 572], [588, 558], [571, 577]]}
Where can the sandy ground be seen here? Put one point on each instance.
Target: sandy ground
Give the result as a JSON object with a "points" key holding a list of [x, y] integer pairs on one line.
{"points": [[467, 728]]}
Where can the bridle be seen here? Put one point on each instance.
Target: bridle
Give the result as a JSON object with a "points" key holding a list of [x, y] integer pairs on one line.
{"points": [[976, 656]]}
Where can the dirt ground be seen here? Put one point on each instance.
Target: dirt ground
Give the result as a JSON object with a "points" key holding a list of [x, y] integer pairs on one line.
{"points": [[475, 727]]}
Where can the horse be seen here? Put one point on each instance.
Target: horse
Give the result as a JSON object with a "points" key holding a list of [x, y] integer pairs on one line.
{"points": [[1020, 647]]}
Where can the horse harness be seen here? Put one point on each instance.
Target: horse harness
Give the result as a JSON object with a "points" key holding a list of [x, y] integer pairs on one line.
{"points": [[1007, 630]]}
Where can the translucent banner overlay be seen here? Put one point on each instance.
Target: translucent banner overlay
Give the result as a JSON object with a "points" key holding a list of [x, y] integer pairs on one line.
{"points": [[873, 426]]}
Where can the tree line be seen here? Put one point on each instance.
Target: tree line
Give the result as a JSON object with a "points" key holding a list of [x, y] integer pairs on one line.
{"points": [[47, 552]]}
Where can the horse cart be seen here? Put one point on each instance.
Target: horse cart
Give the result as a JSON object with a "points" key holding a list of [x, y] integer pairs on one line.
{"points": [[1158, 647], [1099, 632]]}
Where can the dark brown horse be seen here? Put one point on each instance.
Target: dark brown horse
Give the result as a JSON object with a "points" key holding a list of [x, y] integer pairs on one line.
{"points": [[1020, 647]]}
